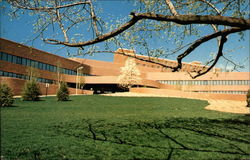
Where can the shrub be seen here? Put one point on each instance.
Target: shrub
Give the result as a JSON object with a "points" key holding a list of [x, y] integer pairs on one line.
{"points": [[6, 96], [63, 92], [248, 98], [31, 91]]}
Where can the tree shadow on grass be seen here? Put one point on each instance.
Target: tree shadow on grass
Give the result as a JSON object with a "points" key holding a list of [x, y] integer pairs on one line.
{"points": [[170, 137]]}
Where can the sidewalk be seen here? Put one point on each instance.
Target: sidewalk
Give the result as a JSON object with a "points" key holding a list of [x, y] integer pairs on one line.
{"points": [[228, 106]]}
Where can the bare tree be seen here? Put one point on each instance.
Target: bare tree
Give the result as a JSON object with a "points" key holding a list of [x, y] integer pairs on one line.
{"points": [[178, 19], [59, 72], [130, 74]]}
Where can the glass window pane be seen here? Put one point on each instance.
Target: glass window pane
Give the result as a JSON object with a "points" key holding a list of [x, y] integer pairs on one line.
{"points": [[9, 58], [19, 76], [44, 66], [47, 67], [14, 60], [19, 60], [51, 68], [6, 74], [28, 62], [40, 65], [24, 61], [4, 57], [32, 63], [1, 73]]}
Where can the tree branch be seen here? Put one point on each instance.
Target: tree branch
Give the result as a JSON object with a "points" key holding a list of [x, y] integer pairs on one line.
{"points": [[93, 16], [17, 4], [203, 40], [197, 19], [212, 6], [180, 19], [218, 13], [98, 39], [171, 7], [219, 54], [59, 20]]}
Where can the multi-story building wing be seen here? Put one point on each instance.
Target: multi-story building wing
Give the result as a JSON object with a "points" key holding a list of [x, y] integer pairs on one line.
{"points": [[99, 76]]}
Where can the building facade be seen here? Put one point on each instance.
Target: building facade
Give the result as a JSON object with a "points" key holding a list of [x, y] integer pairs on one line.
{"points": [[99, 76]]}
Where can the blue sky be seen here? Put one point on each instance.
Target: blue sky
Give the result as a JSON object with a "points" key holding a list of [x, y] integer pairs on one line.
{"points": [[20, 30]]}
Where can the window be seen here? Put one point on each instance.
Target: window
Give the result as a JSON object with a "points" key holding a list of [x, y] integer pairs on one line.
{"points": [[1, 73], [14, 75], [47, 67], [19, 76], [14, 60], [51, 68], [24, 61], [19, 60], [247, 82], [5, 74], [43, 66], [4, 56], [28, 62], [40, 65], [35, 64], [9, 58], [63, 71]]}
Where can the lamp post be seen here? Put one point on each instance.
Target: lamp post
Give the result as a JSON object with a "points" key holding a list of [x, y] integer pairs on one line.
{"points": [[77, 77], [47, 86]]}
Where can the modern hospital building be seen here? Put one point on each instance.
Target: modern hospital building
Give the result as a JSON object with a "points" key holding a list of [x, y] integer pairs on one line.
{"points": [[101, 76]]}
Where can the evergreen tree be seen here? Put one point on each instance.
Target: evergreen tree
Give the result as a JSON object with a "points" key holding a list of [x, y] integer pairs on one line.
{"points": [[63, 92], [31, 91], [6, 95]]}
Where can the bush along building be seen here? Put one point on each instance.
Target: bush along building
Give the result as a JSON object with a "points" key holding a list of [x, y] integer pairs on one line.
{"points": [[85, 76]]}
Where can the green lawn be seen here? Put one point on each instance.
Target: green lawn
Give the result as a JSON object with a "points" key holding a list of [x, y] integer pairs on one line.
{"points": [[100, 127]]}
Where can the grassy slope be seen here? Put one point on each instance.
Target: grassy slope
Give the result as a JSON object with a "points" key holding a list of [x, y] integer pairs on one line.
{"points": [[99, 127]]}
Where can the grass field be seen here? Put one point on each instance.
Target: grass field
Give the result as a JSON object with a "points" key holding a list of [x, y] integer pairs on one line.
{"points": [[101, 127]]}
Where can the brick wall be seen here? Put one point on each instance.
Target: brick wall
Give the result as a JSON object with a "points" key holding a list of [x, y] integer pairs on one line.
{"points": [[17, 86]]}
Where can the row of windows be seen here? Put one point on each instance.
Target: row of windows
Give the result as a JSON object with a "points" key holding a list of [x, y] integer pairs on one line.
{"points": [[25, 77], [206, 82], [32, 63], [224, 92]]}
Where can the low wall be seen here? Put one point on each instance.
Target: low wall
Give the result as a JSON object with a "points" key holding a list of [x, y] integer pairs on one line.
{"points": [[175, 93], [17, 86]]}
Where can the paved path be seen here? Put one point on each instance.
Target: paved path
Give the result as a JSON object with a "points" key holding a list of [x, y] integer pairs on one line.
{"points": [[228, 106], [218, 105]]}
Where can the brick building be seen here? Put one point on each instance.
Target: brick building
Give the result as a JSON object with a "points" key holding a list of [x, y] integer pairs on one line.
{"points": [[100, 76]]}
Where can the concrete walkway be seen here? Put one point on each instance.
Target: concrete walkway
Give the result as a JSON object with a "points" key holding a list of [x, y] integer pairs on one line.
{"points": [[217, 105], [228, 106]]}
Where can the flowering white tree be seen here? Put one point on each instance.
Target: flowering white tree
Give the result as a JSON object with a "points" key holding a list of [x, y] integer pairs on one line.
{"points": [[130, 74]]}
